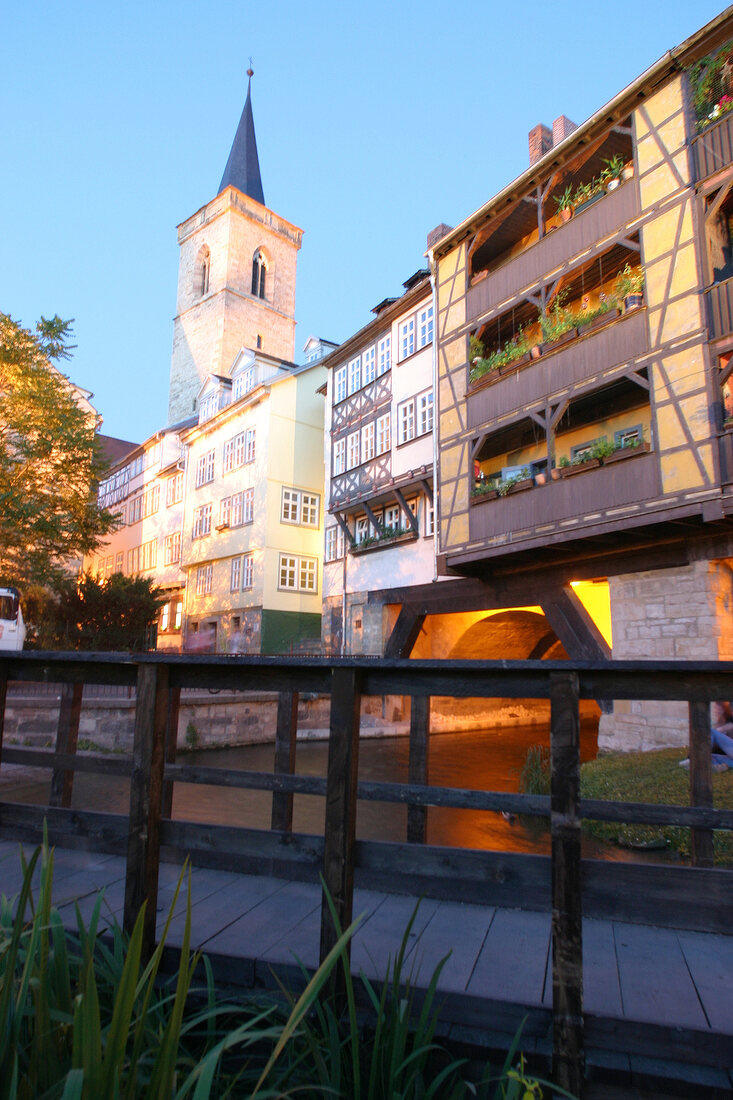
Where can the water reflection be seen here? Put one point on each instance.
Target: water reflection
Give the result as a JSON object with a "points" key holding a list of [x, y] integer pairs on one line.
{"points": [[489, 759]]}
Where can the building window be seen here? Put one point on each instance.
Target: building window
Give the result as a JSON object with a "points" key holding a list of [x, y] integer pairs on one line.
{"points": [[151, 501], [355, 374], [244, 382], [236, 577], [178, 616], [406, 421], [299, 507], [339, 385], [339, 456], [247, 571], [174, 490], [425, 327], [149, 554], [581, 450], [239, 450], [225, 506], [109, 565], [368, 366], [425, 413], [335, 543], [165, 616], [202, 521], [628, 437], [120, 561], [203, 266], [135, 509], [205, 468], [352, 450], [361, 528], [383, 433], [407, 338], [392, 519], [172, 548], [298, 574], [384, 355], [249, 445], [204, 577], [259, 271], [367, 442], [429, 517]]}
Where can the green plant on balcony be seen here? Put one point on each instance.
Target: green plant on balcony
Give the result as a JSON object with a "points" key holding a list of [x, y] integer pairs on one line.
{"points": [[512, 350], [629, 286], [557, 322], [507, 483], [613, 167], [564, 202], [607, 304], [710, 81], [584, 192]]}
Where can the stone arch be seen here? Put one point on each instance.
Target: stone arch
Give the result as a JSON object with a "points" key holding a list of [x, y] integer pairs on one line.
{"points": [[201, 272], [509, 635]]}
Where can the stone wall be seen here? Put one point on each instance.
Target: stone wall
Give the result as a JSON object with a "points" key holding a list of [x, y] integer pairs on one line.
{"points": [[681, 614]]}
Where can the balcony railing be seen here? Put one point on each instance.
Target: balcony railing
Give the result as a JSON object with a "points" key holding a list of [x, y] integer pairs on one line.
{"points": [[581, 234], [713, 148], [587, 497], [621, 341], [719, 299]]}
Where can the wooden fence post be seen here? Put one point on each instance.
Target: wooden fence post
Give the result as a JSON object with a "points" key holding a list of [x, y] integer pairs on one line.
{"points": [[146, 800], [171, 746], [417, 816], [340, 824], [3, 697], [285, 738], [701, 781], [67, 735], [568, 1055]]}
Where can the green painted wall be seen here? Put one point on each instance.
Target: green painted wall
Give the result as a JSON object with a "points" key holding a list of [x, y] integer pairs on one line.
{"points": [[280, 629]]}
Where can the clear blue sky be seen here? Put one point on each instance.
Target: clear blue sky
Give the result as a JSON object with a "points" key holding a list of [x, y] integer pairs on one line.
{"points": [[374, 123]]}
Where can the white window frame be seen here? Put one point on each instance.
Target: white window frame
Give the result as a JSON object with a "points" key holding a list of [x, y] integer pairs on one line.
{"points": [[249, 445], [298, 574], [205, 468], [354, 375], [339, 456], [407, 338], [352, 450], [235, 576], [367, 442], [406, 421], [204, 579], [201, 521], [425, 327], [335, 543], [339, 384], [425, 412], [384, 355], [247, 571], [172, 548], [393, 516], [119, 561], [368, 365], [248, 505], [174, 490], [384, 433]]}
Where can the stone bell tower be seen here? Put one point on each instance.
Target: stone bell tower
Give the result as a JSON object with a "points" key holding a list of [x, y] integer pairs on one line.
{"points": [[236, 277]]}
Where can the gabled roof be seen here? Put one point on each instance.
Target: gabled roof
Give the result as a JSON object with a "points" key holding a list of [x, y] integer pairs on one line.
{"points": [[243, 167]]}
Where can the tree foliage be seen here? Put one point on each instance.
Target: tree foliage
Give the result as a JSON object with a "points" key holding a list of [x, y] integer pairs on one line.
{"points": [[93, 614], [50, 460]]}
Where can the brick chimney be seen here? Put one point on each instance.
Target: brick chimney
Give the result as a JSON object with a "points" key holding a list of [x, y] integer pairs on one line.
{"points": [[435, 234], [562, 127], [540, 142]]}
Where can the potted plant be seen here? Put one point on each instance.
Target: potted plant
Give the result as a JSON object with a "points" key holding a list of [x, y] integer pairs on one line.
{"points": [[606, 310], [586, 194], [611, 174], [627, 172], [629, 287], [564, 203], [558, 326]]}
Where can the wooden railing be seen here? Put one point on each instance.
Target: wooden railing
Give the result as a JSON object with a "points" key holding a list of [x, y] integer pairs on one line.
{"points": [[701, 896], [713, 148], [719, 298]]}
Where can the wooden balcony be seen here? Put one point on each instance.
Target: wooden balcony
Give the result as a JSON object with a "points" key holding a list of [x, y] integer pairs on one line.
{"points": [[713, 148], [571, 365], [581, 234], [719, 298], [534, 517]]}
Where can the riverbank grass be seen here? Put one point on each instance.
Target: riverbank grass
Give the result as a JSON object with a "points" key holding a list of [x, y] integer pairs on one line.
{"points": [[651, 777]]}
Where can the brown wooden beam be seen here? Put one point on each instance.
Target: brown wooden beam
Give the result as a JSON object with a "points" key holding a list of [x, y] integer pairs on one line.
{"points": [[285, 743], [3, 698], [146, 799], [409, 514], [573, 625], [171, 746], [701, 781], [67, 736], [404, 632], [417, 816]]}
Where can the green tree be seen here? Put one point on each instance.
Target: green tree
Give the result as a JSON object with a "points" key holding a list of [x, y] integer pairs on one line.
{"points": [[50, 460], [86, 613]]}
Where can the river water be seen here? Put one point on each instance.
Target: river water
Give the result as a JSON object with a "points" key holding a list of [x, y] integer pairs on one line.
{"points": [[490, 759]]}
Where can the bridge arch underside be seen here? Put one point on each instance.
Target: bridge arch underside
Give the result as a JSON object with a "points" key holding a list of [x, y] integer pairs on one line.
{"points": [[514, 634]]}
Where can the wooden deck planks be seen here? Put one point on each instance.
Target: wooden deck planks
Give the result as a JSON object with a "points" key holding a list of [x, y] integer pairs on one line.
{"points": [[458, 928], [710, 961], [655, 982], [514, 957], [601, 988]]}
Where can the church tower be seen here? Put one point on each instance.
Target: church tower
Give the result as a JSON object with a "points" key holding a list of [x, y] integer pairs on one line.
{"points": [[236, 277]]}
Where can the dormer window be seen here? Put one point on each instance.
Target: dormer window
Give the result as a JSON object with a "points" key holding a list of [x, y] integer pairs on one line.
{"points": [[244, 382], [259, 271]]}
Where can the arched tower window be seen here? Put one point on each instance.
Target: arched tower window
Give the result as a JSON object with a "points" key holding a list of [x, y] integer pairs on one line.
{"points": [[259, 272], [201, 278]]}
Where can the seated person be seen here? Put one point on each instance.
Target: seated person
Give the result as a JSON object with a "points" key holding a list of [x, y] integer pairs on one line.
{"points": [[721, 728]]}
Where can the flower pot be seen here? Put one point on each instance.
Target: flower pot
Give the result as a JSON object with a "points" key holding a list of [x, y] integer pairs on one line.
{"points": [[626, 452], [540, 479], [483, 494], [613, 184], [520, 486], [589, 202], [633, 301], [627, 172], [566, 213], [579, 467], [535, 351], [564, 339], [555, 474]]}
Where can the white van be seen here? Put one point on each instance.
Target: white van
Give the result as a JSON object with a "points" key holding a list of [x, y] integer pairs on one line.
{"points": [[12, 627]]}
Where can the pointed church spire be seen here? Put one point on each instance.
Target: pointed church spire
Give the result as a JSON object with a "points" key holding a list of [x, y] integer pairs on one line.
{"points": [[243, 167]]}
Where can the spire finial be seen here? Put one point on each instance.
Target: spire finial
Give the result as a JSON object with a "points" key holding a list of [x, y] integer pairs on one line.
{"points": [[250, 70]]}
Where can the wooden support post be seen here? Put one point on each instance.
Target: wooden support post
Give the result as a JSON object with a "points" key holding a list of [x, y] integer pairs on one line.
{"points": [[568, 1054], [340, 824], [67, 735], [3, 697], [285, 737], [171, 747], [417, 816], [701, 780], [146, 799]]}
